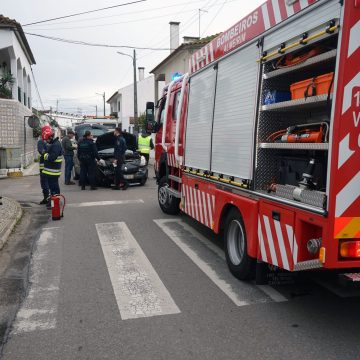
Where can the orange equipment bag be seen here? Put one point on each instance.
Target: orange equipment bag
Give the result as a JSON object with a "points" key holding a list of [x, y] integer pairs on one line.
{"points": [[318, 85]]}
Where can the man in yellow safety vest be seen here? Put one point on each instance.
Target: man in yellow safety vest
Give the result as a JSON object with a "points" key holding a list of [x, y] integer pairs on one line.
{"points": [[145, 144]]}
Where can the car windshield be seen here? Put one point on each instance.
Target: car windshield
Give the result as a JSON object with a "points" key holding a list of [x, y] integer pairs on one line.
{"points": [[95, 131]]}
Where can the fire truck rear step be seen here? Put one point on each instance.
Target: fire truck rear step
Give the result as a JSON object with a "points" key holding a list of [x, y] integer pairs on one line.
{"points": [[308, 265], [175, 178]]}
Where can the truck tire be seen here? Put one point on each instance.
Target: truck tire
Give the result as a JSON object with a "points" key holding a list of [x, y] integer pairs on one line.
{"points": [[241, 265], [168, 204]]}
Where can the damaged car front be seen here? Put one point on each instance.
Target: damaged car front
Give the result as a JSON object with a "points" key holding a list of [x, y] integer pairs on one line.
{"points": [[134, 169]]}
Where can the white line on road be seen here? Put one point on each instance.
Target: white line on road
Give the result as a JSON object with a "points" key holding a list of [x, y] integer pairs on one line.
{"points": [[39, 309], [208, 270], [137, 287], [266, 289], [106, 203]]}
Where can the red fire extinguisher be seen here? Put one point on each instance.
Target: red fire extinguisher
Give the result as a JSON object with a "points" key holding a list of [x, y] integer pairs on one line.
{"points": [[57, 206]]}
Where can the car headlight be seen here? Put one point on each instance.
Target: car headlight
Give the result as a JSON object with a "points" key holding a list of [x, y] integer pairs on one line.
{"points": [[142, 161]]}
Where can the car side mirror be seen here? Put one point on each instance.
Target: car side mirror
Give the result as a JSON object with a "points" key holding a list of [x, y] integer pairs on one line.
{"points": [[150, 117]]}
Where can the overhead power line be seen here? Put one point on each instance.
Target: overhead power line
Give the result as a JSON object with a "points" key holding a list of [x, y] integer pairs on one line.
{"points": [[84, 12], [84, 43], [37, 90], [151, 18], [153, 9]]}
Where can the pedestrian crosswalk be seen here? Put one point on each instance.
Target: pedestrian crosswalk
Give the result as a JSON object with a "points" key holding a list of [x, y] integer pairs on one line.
{"points": [[138, 290], [137, 287], [39, 310]]}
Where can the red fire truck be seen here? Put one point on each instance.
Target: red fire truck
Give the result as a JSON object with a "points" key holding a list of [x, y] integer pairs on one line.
{"points": [[260, 141]]}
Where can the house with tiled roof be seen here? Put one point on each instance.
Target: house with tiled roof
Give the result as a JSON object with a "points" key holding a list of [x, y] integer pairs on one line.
{"points": [[16, 58], [177, 62]]}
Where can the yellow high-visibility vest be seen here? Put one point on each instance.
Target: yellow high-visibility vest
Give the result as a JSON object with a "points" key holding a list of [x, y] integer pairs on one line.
{"points": [[144, 144]]}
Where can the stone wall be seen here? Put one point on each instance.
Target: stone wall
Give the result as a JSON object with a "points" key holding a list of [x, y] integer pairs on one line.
{"points": [[12, 130]]}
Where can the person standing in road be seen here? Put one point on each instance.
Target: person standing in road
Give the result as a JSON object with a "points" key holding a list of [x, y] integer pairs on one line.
{"points": [[119, 155], [52, 162], [42, 147], [145, 144], [68, 148], [87, 155]]}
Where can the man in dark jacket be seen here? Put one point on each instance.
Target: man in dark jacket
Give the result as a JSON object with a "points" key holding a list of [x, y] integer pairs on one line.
{"points": [[87, 154], [52, 162], [68, 148], [119, 155]]}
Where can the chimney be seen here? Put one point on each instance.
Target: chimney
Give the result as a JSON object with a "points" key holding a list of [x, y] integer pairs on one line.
{"points": [[174, 35], [141, 73]]}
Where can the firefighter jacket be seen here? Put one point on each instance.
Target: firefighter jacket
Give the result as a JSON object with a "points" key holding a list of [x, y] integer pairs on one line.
{"points": [[53, 158], [41, 148], [120, 147], [145, 144], [87, 150]]}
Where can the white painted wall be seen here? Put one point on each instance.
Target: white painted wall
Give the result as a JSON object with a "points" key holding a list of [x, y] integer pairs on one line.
{"points": [[145, 93], [8, 39]]}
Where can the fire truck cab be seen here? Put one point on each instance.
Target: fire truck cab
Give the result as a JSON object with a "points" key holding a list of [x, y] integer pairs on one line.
{"points": [[261, 139]]}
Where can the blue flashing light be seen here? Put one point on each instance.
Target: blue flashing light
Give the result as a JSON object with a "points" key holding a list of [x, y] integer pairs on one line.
{"points": [[176, 76]]}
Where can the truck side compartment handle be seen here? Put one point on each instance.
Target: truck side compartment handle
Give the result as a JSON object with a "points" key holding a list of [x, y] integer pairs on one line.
{"points": [[276, 215], [197, 186]]}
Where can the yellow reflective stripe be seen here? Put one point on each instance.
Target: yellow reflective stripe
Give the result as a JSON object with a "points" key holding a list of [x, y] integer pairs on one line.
{"points": [[50, 173], [58, 160], [46, 156]]}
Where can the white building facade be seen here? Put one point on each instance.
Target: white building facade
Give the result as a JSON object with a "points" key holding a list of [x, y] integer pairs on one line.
{"points": [[122, 101], [17, 145]]}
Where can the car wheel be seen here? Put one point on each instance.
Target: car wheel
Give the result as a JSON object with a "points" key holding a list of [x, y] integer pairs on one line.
{"points": [[168, 204], [241, 265]]}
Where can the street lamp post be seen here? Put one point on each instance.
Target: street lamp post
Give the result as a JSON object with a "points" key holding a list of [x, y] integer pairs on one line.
{"points": [[135, 83], [103, 96]]}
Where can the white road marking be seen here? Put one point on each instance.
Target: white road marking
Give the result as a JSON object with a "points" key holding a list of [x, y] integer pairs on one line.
{"points": [[272, 293], [39, 309], [266, 289], [105, 203], [137, 287]]}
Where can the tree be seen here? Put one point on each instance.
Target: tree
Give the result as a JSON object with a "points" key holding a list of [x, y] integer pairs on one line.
{"points": [[6, 83]]}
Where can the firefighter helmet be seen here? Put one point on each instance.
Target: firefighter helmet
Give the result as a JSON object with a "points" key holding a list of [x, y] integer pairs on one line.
{"points": [[46, 132]]}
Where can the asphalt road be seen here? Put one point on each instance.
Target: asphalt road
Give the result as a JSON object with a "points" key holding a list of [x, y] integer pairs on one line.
{"points": [[118, 279]]}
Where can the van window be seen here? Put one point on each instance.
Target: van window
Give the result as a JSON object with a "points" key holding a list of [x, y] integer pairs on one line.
{"points": [[176, 105]]}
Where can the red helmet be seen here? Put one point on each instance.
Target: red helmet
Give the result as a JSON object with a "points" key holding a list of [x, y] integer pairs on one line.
{"points": [[46, 132]]}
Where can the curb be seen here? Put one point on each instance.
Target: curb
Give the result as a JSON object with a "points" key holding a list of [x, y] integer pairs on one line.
{"points": [[4, 236]]}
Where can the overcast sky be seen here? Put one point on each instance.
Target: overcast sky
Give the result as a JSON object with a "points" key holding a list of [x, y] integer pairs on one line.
{"points": [[73, 74]]}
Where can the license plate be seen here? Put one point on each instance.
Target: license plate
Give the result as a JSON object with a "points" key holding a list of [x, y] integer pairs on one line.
{"points": [[132, 176]]}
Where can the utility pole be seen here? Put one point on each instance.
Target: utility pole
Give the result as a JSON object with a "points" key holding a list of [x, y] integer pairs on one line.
{"points": [[135, 89], [96, 110], [135, 84], [103, 96]]}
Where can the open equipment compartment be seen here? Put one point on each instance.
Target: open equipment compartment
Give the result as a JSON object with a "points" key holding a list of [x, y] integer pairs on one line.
{"points": [[292, 139]]}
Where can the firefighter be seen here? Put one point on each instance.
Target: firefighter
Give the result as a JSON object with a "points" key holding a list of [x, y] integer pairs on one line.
{"points": [[87, 155], [145, 144], [42, 147], [119, 155], [52, 162], [68, 148]]}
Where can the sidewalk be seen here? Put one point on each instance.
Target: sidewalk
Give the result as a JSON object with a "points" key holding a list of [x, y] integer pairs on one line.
{"points": [[31, 170], [10, 213]]}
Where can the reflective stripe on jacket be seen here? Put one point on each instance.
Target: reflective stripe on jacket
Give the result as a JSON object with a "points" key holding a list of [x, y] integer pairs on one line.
{"points": [[144, 144], [53, 159]]}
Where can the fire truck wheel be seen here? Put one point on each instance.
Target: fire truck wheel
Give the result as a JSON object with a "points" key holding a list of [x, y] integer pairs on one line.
{"points": [[240, 264], [168, 204]]}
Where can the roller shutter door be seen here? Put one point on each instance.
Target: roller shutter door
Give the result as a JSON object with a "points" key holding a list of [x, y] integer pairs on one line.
{"points": [[235, 111], [199, 122]]}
